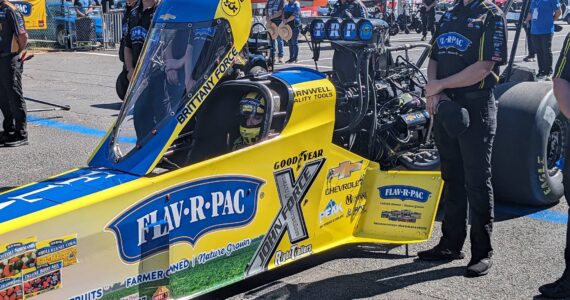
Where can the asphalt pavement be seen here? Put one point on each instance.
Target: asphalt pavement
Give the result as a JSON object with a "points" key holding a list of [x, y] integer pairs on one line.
{"points": [[528, 248]]}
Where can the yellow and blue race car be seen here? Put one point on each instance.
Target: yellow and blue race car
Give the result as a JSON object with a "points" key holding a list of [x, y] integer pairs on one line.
{"points": [[184, 195]]}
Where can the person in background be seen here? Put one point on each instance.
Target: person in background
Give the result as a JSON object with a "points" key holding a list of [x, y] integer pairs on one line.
{"points": [[83, 7], [561, 82], [542, 15], [122, 83], [349, 9], [273, 11], [428, 17], [13, 41], [292, 17], [531, 52]]}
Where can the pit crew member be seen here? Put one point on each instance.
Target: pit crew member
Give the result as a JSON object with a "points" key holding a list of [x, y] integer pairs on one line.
{"points": [[13, 40], [561, 81], [469, 46]]}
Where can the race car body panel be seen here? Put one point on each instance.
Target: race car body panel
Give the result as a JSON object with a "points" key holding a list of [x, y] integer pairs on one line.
{"points": [[123, 229]]}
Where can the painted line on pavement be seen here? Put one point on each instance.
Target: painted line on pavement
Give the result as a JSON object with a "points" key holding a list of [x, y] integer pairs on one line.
{"points": [[75, 128], [533, 213]]}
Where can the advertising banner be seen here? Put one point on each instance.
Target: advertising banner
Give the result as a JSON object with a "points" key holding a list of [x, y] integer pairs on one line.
{"points": [[34, 12]]}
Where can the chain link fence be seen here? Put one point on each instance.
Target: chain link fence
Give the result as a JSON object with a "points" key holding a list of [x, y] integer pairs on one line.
{"points": [[66, 29]]}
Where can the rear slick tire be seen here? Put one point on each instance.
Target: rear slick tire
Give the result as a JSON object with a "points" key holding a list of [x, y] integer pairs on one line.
{"points": [[529, 145]]}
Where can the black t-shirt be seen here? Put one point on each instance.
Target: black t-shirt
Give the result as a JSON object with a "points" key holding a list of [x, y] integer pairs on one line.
{"points": [[11, 26], [563, 65], [139, 24], [468, 34], [428, 3]]}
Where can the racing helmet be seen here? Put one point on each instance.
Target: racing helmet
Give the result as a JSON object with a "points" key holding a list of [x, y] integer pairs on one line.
{"points": [[252, 112]]}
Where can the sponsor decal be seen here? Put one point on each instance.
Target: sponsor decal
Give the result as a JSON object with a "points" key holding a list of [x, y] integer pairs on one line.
{"points": [[357, 204], [157, 274], [231, 7], [207, 87], [131, 297], [453, 40], [542, 176], [294, 253], [18, 258], [91, 295], [25, 8], [168, 17], [345, 186], [162, 293], [344, 170], [406, 216], [138, 34], [61, 249], [298, 160], [290, 218], [11, 288], [42, 280], [313, 93], [330, 210], [185, 213], [204, 33], [404, 192], [205, 257]]}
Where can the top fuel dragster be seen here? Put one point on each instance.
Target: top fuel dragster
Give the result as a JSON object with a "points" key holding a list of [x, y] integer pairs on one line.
{"points": [[167, 208]]}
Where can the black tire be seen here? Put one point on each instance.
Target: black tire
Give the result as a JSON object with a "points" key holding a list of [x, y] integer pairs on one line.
{"points": [[394, 29], [419, 29], [60, 37], [528, 146], [122, 84]]}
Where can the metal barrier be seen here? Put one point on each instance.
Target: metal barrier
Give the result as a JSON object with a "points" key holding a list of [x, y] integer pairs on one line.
{"points": [[113, 31], [66, 30]]}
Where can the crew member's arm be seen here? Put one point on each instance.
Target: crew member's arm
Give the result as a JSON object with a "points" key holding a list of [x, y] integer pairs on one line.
{"points": [[556, 8], [493, 51], [561, 79], [16, 25], [432, 101], [129, 63]]}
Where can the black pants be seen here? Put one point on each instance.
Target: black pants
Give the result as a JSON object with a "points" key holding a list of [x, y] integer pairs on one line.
{"points": [[466, 170], [531, 52], [12, 102], [543, 46], [428, 22]]}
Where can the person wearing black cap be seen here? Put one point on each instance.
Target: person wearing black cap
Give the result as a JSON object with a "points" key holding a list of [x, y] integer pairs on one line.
{"points": [[561, 82], [13, 40], [469, 46]]}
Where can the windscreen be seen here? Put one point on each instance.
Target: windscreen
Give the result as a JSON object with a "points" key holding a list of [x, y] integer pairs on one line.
{"points": [[176, 59]]}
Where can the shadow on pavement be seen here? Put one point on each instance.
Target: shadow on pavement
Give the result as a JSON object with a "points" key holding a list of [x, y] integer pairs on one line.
{"points": [[363, 284], [6, 188], [112, 106]]}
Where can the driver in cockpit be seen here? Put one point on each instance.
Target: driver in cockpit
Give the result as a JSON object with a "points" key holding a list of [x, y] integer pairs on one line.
{"points": [[252, 113]]}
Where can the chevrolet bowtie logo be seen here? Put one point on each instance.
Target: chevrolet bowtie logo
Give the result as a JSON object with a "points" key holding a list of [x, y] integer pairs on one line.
{"points": [[168, 17], [344, 170]]}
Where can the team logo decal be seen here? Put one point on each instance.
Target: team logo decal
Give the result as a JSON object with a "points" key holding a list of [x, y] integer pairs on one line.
{"points": [[168, 17], [290, 217], [453, 40], [184, 214], [404, 192], [231, 7]]}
